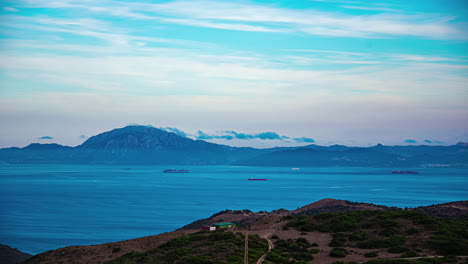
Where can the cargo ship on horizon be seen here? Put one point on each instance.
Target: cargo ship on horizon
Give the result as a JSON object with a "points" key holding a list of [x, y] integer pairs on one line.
{"points": [[175, 171], [404, 172]]}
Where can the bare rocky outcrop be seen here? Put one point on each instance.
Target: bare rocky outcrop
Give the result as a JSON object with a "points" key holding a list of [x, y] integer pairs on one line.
{"points": [[329, 205]]}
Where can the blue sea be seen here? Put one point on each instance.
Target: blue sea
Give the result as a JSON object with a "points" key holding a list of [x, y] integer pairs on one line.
{"points": [[45, 207]]}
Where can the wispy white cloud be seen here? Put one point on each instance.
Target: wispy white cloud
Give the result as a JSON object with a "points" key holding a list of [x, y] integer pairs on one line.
{"points": [[373, 8], [338, 1], [327, 51], [114, 39], [370, 58], [425, 58], [10, 9], [229, 26], [156, 73], [268, 18]]}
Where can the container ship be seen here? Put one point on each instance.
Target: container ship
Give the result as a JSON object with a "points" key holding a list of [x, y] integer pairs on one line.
{"points": [[405, 172], [175, 171]]}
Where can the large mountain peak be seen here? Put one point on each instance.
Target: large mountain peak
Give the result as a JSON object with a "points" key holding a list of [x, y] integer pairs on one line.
{"points": [[141, 138]]}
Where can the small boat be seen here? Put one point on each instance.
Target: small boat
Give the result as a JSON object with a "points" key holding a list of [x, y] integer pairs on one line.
{"points": [[255, 179], [405, 172], [175, 171]]}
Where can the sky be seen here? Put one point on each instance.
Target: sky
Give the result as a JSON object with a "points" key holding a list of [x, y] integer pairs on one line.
{"points": [[243, 73]]}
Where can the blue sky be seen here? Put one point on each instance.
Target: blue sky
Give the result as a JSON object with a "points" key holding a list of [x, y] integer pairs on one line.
{"points": [[329, 72]]}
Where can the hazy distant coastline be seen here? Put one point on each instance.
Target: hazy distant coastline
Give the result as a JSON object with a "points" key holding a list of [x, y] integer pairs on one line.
{"points": [[149, 145]]}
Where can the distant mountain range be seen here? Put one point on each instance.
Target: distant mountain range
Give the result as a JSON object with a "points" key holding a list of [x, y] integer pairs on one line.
{"points": [[149, 145]]}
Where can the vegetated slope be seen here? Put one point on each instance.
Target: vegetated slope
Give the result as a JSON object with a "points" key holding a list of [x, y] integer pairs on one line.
{"points": [[395, 231], [415, 260], [203, 247], [349, 231], [355, 232], [246, 218], [104, 252]]}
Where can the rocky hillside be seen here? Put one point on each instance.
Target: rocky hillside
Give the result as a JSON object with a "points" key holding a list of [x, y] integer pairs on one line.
{"points": [[332, 205], [448, 210], [9, 255], [145, 138]]}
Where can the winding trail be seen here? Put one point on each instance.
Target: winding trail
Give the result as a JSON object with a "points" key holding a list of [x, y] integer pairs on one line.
{"points": [[270, 246]]}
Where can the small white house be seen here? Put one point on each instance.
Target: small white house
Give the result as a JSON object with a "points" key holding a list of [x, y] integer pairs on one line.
{"points": [[211, 228]]}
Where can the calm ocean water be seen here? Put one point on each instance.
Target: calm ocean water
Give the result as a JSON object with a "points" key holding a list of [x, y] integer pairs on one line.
{"points": [[45, 207]]}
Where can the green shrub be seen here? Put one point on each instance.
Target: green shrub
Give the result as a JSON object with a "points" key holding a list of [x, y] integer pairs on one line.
{"points": [[336, 243], [302, 256], [308, 227], [314, 251], [382, 243], [449, 244], [371, 254], [412, 231], [372, 243], [340, 223], [275, 256], [388, 223], [395, 241], [388, 232], [302, 240], [358, 236], [338, 253], [286, 217], [290, 246]]}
